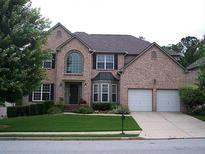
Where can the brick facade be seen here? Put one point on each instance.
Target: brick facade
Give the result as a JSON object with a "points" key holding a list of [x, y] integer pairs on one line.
{"points": [[145, 72]]}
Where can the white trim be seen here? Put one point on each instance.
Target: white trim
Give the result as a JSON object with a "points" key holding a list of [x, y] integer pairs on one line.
{"points": [[105, 61], [97, 92], [105, 93], [114, 93]]}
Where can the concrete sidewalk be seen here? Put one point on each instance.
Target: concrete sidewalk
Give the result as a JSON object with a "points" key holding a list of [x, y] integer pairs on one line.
{"points": [[163, 125]]}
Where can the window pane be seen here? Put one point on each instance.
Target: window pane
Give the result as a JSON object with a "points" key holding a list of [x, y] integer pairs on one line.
{"points": [[100, 65], [46, 96], [74, 63], [109, 58], [109, 65], [95, 88], [105, 88], [95, 97], [100, 58], [114, 97], [46, 87], [105, 97], [37, 96], [47, 64], [114, 89]]}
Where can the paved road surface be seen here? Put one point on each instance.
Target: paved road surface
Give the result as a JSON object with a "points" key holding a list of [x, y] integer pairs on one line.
{"points": [[186, 146]]}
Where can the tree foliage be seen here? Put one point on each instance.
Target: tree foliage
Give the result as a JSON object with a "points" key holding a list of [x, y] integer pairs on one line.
{"points": [[190, 48], [22, 33]]}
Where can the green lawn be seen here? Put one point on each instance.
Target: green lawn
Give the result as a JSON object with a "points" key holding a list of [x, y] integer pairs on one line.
{"points": [[63, 123], [201, 117]]}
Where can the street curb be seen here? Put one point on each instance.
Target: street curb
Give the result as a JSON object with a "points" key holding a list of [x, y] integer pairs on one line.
{"points": [[171, 138], [69, 138]]}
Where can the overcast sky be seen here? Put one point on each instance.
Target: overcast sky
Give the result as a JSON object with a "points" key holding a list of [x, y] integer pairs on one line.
{"points": [[162, 21]]}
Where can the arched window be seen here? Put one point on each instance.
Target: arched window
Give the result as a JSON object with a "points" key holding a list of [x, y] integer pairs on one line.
{"points": [[74, 62]]}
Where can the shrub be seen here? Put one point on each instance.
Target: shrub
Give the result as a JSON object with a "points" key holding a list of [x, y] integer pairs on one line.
{"points": [[41, 109], [54, 110], [120, 109], [84, 110], [103, 106], [192, 98], [11, 112], [33, 109], [60, 106], [48, 104], [25, 110]]}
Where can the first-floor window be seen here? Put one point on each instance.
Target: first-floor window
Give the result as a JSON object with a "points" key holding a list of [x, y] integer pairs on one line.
{"points": [[114, 93], [43, 92], [104, 92], [95, 92]]}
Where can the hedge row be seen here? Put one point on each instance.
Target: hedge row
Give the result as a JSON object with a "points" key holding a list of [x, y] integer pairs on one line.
{"points": [[33, 109], [104, 106]]}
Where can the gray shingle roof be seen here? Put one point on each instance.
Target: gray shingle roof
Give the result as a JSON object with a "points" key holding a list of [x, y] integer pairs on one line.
{"points": [[197, 63], [104, 76], [113, 43]]}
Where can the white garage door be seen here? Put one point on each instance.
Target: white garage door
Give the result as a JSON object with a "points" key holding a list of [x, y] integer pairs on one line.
{"points": [[168, 100], [140, 100]]}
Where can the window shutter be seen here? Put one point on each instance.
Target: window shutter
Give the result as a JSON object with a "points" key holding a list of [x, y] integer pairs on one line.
{"points": [[30, 98], [52, 91], [116, 61], [53, 60], [94, 61]]}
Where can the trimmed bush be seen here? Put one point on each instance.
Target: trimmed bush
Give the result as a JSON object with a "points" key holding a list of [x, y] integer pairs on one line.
{"points": [[84, 110], [60, 106], [33, 109], [103, 106], [54, 110], [48, 104], [41, 109], [11, 112]]}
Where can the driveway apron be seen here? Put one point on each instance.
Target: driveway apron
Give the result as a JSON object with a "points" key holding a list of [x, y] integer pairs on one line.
{"points": [[169, 125]]}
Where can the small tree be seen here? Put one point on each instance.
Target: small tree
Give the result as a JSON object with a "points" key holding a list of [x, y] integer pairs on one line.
{"points": [[22, 33], [201, 79]]}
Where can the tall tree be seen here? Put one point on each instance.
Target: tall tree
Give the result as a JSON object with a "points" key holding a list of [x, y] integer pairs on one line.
{"points": [[190, 48], [22, 33]]}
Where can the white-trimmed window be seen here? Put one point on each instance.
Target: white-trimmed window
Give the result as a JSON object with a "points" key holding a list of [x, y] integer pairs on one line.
{"points": [[114, 93], [104, 92], [95, 92], [47, 63], [105, 61], [42, 93]]}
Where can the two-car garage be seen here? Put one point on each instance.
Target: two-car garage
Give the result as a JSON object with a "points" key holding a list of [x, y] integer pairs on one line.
{"points": [[142, 100]]}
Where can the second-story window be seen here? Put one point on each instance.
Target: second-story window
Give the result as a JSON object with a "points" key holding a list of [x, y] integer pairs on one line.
{"points": [[47, 63], [74, 62], [105, 61]]}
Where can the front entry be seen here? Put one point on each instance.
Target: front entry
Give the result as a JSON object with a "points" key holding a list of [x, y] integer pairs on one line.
{"points": [[73, 92], [73, 99]]}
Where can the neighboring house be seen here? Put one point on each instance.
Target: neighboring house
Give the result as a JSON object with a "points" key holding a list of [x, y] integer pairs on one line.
{"points": [[110, 68]]}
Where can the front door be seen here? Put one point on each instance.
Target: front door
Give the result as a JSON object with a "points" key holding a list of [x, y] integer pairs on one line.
{"points": [[73, 99]]}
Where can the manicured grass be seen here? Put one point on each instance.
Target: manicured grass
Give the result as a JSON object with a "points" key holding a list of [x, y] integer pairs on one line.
{"points": [[64, 123], [73, 136], [201, 117]]}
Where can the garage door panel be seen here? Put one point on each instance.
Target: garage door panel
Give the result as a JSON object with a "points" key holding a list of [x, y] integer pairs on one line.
{"points": [[168, 100], [140, 100]]}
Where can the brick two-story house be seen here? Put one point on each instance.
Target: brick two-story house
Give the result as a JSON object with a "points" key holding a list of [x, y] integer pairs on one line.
{"points": [[111, 68]]}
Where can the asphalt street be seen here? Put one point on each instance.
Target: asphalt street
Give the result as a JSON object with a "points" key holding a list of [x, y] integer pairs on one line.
{"points": [[179, 146]]}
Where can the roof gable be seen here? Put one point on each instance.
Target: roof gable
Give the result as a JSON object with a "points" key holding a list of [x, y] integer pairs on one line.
{"points": [[143, 52]]}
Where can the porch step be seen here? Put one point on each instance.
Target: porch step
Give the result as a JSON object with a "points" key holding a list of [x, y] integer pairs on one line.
{"points": [[70, 107]]}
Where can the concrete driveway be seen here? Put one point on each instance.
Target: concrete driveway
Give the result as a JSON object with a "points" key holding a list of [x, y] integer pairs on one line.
{"points": [[169, 125]]}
